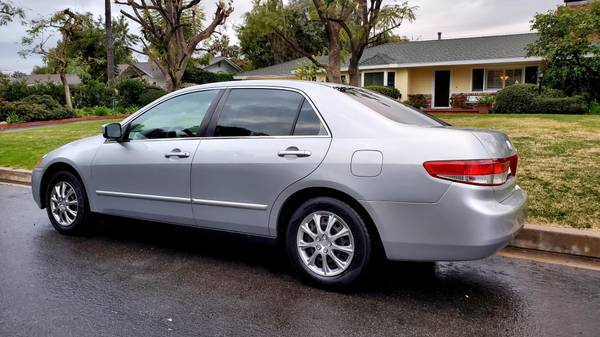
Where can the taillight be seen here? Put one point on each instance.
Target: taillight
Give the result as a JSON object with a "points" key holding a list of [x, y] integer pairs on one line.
{"points": [[485, 172]]}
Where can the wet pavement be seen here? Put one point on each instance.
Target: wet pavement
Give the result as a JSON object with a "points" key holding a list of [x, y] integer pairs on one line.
{"points": [[134, 278]]}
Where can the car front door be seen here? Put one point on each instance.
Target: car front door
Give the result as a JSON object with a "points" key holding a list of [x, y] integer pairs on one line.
{"points": [[147, 175], [262, 141]]}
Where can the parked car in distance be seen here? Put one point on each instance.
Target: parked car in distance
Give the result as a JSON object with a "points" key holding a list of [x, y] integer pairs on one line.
{"points": [[334, 172]]}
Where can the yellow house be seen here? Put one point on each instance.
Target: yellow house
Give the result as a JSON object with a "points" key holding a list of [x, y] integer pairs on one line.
{"points": [[436, 69]]}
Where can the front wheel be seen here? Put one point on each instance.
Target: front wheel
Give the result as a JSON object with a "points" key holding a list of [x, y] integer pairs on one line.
{"points": [[66, 204], [328, 242]]}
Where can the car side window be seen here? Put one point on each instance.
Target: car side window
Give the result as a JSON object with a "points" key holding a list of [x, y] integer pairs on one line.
{"points": [[258, 112], [308, 123], [178, 117]]}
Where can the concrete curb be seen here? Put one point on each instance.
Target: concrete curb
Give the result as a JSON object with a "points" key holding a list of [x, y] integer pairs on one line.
{"points": [[543, 238], [559, 240], [15, 176]]}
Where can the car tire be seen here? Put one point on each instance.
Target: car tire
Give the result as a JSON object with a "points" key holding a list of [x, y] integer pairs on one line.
{"points": [[67, 205], [345, 245]]}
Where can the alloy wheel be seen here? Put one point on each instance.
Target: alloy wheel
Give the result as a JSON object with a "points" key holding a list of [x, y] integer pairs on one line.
{"points": [[325, 243], [64, 204]]}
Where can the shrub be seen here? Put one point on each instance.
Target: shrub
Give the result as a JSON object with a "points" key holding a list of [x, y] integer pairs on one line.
{"points": [[559, 105], [35, 108], [525, 98], [418, 101], [199, 76], [150, 95], [130, 91], [93, 93], [486, 99], [17, 90], [595, 108], [458, 101], [95, 111], [387, 91]]}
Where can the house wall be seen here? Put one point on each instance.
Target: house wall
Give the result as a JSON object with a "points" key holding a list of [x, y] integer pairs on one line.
{"points": [[421, 79]]}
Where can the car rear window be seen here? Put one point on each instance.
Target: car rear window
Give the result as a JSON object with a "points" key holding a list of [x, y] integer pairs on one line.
{"points": [[390, 108]]}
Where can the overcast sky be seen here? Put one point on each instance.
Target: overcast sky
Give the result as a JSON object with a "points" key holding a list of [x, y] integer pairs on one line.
{"points": [[455, 18]]}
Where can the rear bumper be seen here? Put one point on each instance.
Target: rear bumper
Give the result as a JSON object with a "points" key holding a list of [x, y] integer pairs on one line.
{"points": [[467, 223]]}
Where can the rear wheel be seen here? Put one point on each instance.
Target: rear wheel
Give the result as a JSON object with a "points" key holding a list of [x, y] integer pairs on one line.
{"points": [[328, 242], [66, 204]]}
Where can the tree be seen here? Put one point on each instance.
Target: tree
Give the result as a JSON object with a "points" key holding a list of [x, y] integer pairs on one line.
{"points": [[568, 41], [306, 71], [171, 31], [369, 23], [90, 46], [8, 12], [110, 56], [263, 47], [68, 24]]}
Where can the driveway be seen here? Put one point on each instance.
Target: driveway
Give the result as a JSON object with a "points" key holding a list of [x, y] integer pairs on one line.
{"points": [[136, 278]]}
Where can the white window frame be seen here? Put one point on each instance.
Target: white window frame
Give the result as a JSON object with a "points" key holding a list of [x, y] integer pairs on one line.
{"points": [[485, 77], [385, 76]]}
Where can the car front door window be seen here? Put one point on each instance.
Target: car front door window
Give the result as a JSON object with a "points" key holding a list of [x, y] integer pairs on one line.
{"points": [[178, 117]]}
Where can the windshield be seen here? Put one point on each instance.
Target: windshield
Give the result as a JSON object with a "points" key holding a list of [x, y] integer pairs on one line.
{"points": [[390, 108]]}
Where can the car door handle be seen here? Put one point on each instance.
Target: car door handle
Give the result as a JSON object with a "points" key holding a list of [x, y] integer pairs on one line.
{"points": [[177, 153], [293, 152]]}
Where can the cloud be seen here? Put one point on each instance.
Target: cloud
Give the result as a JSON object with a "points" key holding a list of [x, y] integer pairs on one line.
{"points": [[456, 18]]}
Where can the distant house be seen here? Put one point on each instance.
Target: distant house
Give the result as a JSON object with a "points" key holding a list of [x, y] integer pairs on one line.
{"points": [[222, 64], [145, 71], [72, 80], [437, 69]]}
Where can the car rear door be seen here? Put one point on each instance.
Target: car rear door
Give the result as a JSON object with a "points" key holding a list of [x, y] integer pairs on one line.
{"points": [[261, 141], [148, 174]]}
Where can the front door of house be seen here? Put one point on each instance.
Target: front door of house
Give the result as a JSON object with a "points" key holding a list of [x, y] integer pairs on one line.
{"points": [[442, 89]]}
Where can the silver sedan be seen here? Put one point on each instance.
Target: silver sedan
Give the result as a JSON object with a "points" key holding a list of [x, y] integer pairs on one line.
{"points": [[335, 173]]}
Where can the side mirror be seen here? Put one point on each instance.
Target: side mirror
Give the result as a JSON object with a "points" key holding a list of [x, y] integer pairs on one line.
{"points": [[112, 131]]}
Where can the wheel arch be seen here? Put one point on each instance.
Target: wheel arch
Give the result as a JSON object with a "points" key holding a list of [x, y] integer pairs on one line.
{"points": [[293, 201], [50, 171]]}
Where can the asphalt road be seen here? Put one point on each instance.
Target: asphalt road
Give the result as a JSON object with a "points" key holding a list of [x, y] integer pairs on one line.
{"points": [[137, 278]]}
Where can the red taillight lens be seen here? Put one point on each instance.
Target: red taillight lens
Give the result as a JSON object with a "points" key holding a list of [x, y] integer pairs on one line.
{"points": [[486, 172]]}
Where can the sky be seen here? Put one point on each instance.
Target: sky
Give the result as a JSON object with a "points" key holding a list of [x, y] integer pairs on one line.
{"points": [[454, 18]]}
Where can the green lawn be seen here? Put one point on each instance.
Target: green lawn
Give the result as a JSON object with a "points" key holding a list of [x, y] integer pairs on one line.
{"points": [[559, 159], [23, 148], [559, 163]]}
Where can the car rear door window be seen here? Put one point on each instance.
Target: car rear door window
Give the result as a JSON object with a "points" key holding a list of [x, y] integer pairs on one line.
{"points": [[258, 112], [308, 123], [178, 117]]}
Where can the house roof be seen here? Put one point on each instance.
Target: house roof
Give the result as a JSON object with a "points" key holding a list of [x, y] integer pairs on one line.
{"points": [[473, 50], [50, 78], [218, 59], [146, 68]]}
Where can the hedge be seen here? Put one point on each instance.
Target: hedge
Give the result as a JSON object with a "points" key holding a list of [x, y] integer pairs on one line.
{"points": [[387, 91], [34, 108], [525, 98], [199, 76]]}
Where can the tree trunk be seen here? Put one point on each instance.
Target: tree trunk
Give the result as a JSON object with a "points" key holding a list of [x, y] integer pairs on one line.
{"points": [[63, 79], [334, 63], [110, 57], [353, 73]]}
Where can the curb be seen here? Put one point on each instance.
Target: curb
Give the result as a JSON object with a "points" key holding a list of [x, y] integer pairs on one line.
{"points": [[15, 176], [542, 238], [559, 240]]}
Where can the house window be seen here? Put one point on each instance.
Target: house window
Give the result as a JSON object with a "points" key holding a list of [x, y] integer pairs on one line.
{"points": [[495, 79], [373, 78], [391, 79], [531, 75], [478, 78]]}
